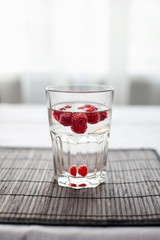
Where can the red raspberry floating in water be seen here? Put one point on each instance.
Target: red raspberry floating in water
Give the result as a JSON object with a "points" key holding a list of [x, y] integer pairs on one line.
{"points": [[92, 109], [56, 115], [93, 118], [82, 107], [64, 108], [73, 170], [67, 106], [79, 122], [66, 119], [103, 115], [83, 170], [79, 129], [87, 106], [79, 119]]}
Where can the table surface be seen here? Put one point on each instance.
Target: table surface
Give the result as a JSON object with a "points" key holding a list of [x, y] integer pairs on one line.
{"points": [[132, 127]]}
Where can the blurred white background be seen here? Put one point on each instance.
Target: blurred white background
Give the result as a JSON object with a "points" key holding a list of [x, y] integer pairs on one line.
{"points": [[115, 42]]}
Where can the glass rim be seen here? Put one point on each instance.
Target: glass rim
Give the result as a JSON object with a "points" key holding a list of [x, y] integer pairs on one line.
{"points": [[68, 88]]}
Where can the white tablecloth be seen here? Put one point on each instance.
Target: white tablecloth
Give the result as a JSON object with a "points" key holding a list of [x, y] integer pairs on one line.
{"points": [[132, 127]]}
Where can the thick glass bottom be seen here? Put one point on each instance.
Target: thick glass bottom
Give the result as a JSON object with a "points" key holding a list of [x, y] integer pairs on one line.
{"points": [[91, 181]]}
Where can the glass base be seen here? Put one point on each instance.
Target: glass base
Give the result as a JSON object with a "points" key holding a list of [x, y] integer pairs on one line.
{"points": [[90, 181]]}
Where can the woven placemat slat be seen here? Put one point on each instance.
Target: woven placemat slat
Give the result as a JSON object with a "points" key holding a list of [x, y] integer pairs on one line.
{"points": [[29, 193]]}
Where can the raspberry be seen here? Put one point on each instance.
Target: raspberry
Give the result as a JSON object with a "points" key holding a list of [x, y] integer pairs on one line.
{"points": [[67, 106], [103, 115], [93, 117], [79, 119], [56, 115], [87, 106], [91, 109], [83, 107], [73, 170], [66, 119], [62, 109], [83, 170], [82, 185], [73, 185], [79, 129]]}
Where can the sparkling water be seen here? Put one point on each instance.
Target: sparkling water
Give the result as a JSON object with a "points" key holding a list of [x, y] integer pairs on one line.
{"points": [[87, 150]]}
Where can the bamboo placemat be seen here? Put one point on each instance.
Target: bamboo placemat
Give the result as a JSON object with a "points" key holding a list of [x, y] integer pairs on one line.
{"points": [[28, 193]]}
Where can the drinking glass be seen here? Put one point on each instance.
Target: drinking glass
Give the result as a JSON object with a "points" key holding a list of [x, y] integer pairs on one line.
{"points": [[80, 121]]}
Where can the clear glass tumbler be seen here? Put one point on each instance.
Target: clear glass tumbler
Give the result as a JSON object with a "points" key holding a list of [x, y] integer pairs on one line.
{"points": [[80, 120]]}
